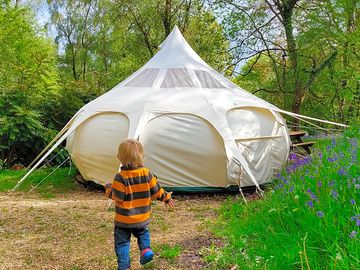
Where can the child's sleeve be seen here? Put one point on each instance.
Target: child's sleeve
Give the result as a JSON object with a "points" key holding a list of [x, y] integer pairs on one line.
{"points": [[157, 192], [117, 189]]}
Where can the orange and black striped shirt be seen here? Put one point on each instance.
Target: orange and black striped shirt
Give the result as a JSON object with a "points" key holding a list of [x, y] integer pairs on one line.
{"points": [[132, 190]]}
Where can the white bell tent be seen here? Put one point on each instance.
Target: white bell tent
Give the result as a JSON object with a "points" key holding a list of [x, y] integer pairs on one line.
{"points": [[198, 129]]}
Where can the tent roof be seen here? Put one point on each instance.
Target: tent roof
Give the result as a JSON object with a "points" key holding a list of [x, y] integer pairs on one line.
{"points": [[175, 52]]}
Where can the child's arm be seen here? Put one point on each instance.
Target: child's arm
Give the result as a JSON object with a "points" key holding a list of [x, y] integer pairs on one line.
{"points": [[157, 192], [116, 190]]}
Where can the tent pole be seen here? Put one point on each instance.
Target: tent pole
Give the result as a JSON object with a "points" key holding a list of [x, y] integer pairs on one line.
{"points": [[239, 184], [311, 118], [48, 146], [41, 160], [64, 129]]}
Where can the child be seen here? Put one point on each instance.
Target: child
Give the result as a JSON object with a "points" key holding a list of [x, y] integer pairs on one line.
{"points": [[132, 190]]}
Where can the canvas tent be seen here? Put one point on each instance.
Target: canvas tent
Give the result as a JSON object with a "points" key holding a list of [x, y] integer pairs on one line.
{"points": [[199, 130]]}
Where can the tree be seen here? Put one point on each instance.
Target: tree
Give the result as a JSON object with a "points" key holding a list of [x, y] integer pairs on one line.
{"points": [[285, 32], [28, 79]]}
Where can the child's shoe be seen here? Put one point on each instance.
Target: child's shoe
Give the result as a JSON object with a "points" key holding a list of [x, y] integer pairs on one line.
{"points": [[146, 256]]}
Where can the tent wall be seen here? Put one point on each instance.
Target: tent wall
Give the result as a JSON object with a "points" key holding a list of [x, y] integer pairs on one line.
{"points": [[260, 139], [184, 151], [93, 146]]}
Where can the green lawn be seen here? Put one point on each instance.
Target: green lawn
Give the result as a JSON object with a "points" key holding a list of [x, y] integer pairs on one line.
{"points": [[60, 181]]}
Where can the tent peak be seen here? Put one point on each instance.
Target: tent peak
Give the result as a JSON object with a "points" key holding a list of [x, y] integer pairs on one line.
{"points": [[175, 52], [175, 31]]}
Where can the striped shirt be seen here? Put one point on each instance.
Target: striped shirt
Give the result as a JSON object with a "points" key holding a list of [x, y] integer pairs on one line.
{"points": [[132, 190]]}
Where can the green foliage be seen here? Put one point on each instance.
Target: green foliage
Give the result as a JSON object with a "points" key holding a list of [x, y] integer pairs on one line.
{"points": [[206, 37], [28, 80], [310, 217], [321, 70]]}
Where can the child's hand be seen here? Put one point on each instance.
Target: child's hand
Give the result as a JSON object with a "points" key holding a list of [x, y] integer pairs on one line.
{"points": [[171, 202], [107, 185]]}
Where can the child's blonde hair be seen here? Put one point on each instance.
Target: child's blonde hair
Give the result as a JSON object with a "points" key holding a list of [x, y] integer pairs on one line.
{"points": [[131, 153]]}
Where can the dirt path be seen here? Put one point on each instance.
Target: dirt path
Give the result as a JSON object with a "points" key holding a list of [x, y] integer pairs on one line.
{"points": [[75, 231]]}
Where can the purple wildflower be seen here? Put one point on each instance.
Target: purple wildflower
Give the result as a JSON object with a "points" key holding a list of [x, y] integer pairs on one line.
{"points": [[292, 156], [310, 204], [313, 197], [342, 172], [353, 234], [334, 194], [356, 219], [320, 155], [304, 161], [357, 186], [333, 142], [352, 201], [331, 183], [354, 142], [333, 159], [353, 156], [319, 184], [320, 214]]}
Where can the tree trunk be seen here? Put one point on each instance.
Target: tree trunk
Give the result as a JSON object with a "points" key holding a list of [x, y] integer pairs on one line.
{"points": [[73, 53], [286, 11], [166, 17]]}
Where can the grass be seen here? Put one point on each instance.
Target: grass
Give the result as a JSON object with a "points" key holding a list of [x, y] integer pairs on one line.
{"points": [[170, 252], [60, 181], [309, 219]]}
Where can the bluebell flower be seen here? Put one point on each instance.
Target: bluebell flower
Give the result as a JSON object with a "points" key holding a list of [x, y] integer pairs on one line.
{"points": [[352, 201], [333, 142], [333, 159], [310, 204], [353, 234], [354, 142], [334, 194], [320, 214], [293, 156], [313, 197], [319, 184], [342, 172], [357, 186], [331, 183]]}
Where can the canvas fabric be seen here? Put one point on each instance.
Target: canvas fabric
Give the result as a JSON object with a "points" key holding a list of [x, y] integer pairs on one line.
{"points": [[197, 127]]}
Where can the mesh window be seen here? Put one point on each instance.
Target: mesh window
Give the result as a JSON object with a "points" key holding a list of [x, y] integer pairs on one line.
{"points": [[145, 78], [177, 77], [206, 80]]}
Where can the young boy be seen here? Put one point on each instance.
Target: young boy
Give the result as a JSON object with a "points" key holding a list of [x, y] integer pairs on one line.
{"points": [[132, 190]]}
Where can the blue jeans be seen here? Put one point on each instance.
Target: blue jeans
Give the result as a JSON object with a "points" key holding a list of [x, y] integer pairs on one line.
{"points": [[122, 243]]}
